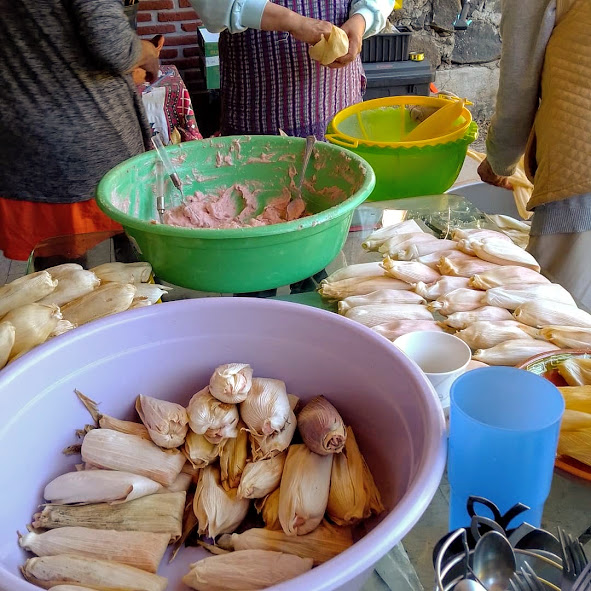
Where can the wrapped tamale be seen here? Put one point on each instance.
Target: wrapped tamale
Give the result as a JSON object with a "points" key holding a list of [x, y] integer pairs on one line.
{"points": [[218, 511], [71, 286], [231, 382], [266, 409], [142, 550], [25, 290], [265, 447], [261, 478], [420, 249], [378, 237], [464, 267], [117, 451], [577, 398], [49, 571], [353, 287], [209, 417], [400, 243], [485, 334], [165, 421], [353, 494], [355, 271], [576, 444], [512, 297], [382, 296], [576, 371], [233, 458], [410, 271], [461, 320], [459, 300], [124, 272], [374, 314], [540, 313], [513, 352], [245, 570], [303, 494], [567, 337], [507, 276], [322, 427], [199, 451], [162, 513], [502, 252], [440, 287], [322, 544]]}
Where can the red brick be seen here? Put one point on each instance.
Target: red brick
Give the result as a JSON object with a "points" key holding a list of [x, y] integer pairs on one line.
{"points": [[156, 4], [144, 17], [191, 52], [185, 4], [169, 54], [177, 15], [185, 63], [156, 30], [180, 40], [190, 27]]}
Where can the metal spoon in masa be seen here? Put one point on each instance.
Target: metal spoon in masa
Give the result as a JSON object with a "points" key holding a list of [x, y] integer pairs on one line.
{"points": [[494, 561], [296, 206]]}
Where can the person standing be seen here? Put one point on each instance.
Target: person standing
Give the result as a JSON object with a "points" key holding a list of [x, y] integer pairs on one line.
{"points": [[544, 110], [69, 112]]}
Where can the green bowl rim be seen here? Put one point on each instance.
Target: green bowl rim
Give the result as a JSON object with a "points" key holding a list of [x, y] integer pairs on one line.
{"points": [[312, 221]]}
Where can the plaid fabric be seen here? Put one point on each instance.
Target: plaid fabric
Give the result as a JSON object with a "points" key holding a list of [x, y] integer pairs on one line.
{"points": [[269, 82]]}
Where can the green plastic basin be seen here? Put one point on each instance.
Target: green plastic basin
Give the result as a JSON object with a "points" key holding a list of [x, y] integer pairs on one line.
{"points": [[242, 259], [413, 171]]}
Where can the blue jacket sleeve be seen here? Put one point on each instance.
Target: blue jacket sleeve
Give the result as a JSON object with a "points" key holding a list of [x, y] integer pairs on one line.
{"points": [[234, 15], [375, 13]]}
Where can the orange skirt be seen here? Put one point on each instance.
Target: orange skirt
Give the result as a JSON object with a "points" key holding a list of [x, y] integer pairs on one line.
{"points": [[23, 224]]}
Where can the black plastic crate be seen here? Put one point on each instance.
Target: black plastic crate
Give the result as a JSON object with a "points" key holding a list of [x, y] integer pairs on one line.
{"points": [[398, 78], [387, 47]]}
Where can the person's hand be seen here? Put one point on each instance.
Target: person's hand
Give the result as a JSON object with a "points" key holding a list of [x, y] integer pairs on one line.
{"points": [[149, 60], [139, 73], [488, 175], [309, 30], [355, 29]]}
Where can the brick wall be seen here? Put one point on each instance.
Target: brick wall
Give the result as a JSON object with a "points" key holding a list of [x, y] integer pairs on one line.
{"points": [[178, 22]]}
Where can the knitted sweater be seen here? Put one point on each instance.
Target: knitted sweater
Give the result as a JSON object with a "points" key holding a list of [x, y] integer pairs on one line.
{"points": [[68, 111]]}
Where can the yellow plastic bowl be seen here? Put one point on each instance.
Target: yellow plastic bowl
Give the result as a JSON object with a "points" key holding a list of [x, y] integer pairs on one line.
{"points": [[385, 121]]}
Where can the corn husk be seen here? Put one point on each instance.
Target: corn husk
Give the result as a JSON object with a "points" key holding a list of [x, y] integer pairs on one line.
{"points": [[507, 276], [324, 543], [576, 371], [143, 550], [382, 296], [399, 243], [165, 421], [70, 588], [142, 302], [124, 272], [48, 571], [181, 483], [322, 427], [110, 449], [513, 352], [396, 328], [575, 420], [269, 510], [458, 300], [209, 417], [261, 478], [476, 233], [231, 382], [25, 290], [340, 290], [511, 298], [218, 511], [107, 299], [410, 271], [353, 493], [576, 444], [486, 334], [377, 238], [98, 486], [7, 338], [303, 494], [190, 524], [441, 287], [359, 271], [464, 267], [567, 337], [160, 514], [375, 314], [577, 398], [71, 286], [461, 320], [245, 570], [432, 260], [62, 327], [542, 313], [421, 249], [502, 252], [152, 291], [267, 408], [233, 457], [63, 270], [265, 447], [199, 451], [33, 323]]}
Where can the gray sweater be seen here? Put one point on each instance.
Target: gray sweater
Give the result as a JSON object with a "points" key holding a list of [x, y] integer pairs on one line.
{"points": [[68, 111]]}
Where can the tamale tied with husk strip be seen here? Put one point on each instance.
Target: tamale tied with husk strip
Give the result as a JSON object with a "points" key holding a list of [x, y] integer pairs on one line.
{"points": [[199, 451], [162, 513], [166, 422], [233, 457]]}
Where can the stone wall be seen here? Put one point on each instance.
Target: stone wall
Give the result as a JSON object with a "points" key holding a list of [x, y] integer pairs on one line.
{"points": [[466, 61]]}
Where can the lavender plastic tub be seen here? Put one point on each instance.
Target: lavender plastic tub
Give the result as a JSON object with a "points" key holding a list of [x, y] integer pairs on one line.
{"points": [[169, 351]]}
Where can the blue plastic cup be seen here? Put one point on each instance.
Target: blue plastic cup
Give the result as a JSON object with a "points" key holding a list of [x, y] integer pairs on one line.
{"points": [[503, 434]]}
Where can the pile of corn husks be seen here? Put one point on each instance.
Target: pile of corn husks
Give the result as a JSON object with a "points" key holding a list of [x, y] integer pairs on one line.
{"points": [[48, 303], [488, 290], [204, 470]]}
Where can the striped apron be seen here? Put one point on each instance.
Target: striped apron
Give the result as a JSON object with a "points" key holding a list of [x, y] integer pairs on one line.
{"points": [[269, 82]]}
